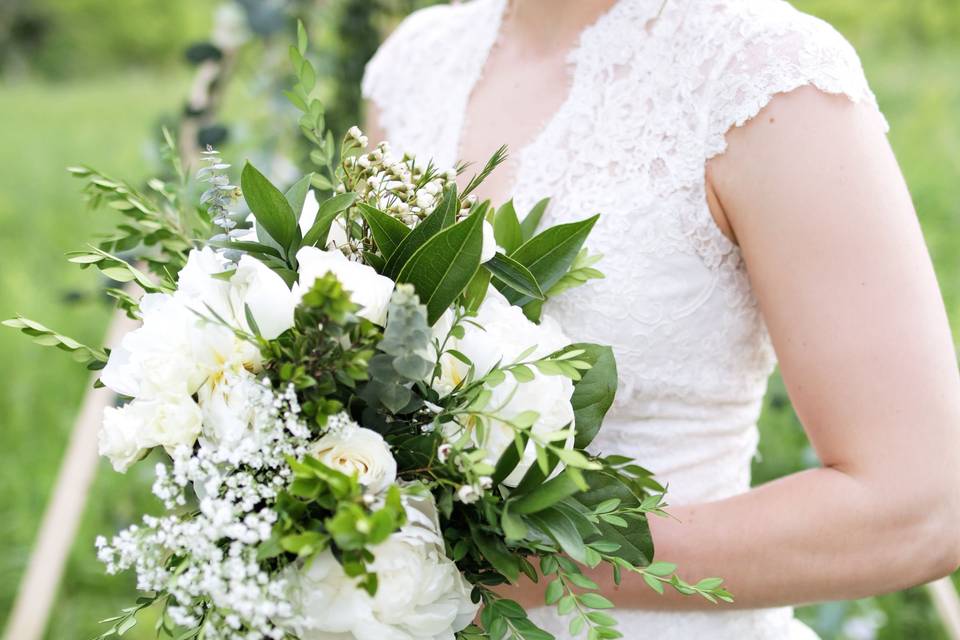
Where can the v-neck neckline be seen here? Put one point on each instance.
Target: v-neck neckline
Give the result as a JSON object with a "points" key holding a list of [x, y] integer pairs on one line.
{"points": [[494, 23]]}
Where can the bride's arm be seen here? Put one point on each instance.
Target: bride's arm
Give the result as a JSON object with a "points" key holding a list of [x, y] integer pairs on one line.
{"points": [[818, 205]]}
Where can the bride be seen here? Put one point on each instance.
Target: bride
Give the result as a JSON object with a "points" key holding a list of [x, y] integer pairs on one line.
{"points": [[752, 213]]}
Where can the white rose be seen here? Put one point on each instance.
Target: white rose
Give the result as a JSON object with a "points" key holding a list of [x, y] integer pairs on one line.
{"points": [[361, 452], [368, 289], [128, 431], [505, 334], [118, 438], [421, 593]]}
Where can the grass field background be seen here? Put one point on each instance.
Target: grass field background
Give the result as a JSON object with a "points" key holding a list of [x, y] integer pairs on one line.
{"points": [[108, 120]]}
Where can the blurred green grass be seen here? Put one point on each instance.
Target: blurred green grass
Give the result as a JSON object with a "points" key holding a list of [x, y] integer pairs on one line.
{"points": [[106, 121], [46, 127]]}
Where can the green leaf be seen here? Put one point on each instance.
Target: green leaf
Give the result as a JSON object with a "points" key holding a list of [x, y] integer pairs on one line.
{"points": [[506, 228], [553, 593], [529, 225], [441, 218], [635, 542], [495, 160], [253, 248], [269, 206], [546, 495], [497, 554], [388, 232], [662, 569], [513, 525], [49, 338], [561, 529], [301, 38], [328, 211], [512, 274], [653, 583], [596, 601], [508, 461], [441, 269], [549, 254], [296, 195], [594, 392]]}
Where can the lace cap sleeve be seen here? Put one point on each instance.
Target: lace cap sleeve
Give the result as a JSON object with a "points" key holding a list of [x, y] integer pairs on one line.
{"points": [[775, 49], [391, 68]]}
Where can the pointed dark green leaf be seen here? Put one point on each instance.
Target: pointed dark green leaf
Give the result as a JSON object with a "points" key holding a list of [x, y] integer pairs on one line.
{"points": [[514, 275], [441, 268], [269, 206], [529, 225], [594, 392], [549, 254], [546, 495], [329, 209], [497, 554], [558, 526], [388, 232], [441, 218], [506, 228], [296, 195]]}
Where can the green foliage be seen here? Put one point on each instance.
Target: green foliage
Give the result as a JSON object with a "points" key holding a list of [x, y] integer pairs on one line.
{"points": [[593, 394], [80, 38], [404, 356], [271, 209], [441, 269], [549, 254]]}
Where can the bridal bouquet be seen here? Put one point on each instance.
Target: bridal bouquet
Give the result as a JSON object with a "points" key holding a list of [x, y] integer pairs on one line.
{"points": [[367, 421]]}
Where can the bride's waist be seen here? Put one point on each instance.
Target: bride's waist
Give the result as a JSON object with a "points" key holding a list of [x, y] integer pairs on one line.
{"points": [[700, 457]]}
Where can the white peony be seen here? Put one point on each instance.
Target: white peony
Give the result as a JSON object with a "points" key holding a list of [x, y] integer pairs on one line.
{"points": [[130, 430], [549, 396], [361, 452], [159, 357], [230, 405], [421, 593], [505, 334], [370, 290], [257, 287]]}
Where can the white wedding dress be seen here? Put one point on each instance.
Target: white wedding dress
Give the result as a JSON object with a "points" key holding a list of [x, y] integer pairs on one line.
{"points": [[654, 90]]}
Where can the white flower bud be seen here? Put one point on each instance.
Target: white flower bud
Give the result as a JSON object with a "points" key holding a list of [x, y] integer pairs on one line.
{"points": [[443, 452], [468, 494]]}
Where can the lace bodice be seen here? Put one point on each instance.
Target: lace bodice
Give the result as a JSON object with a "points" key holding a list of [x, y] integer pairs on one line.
{"points": [[654, 89]]}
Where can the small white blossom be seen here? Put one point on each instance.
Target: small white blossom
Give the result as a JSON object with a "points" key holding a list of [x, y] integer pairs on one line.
{"points": [[468, 494]]}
